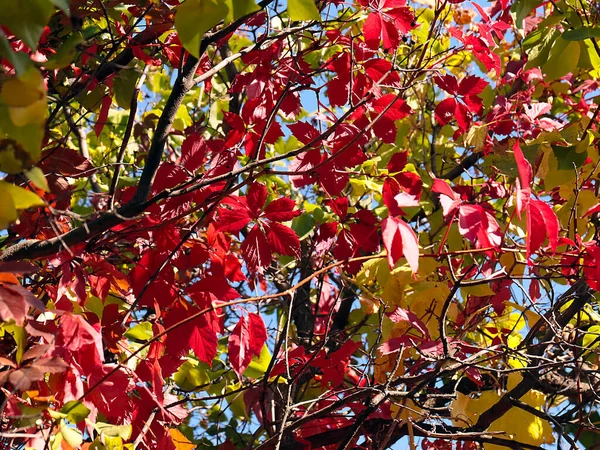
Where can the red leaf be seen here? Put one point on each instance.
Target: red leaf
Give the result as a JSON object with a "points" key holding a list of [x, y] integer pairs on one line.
{"points": [[76, 333], [525, 172], [256, 197], [283, 240], [103, 114], [255, 250], [471, 220], [449, 199], [304, 132], [211, 288], [400, 240], [19, 267], [445, 110], [193, 151], [478, 226], [372, 30], [471, 85], [199, 334], [447, 83], [234, 217], [404, 315], [246, 340], [258, 333], [281, 210], [15, 301], [65, 161], [541, 223]]}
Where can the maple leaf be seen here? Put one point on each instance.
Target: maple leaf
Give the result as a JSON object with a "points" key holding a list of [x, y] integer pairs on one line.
{"points": [[334, 365], [15, 302], [76, 334], [464, 101], [198, 335], [517, 424], [267, 235], [386, 22], [542, 222], [246, 341], [475, 222], [400, 240]]}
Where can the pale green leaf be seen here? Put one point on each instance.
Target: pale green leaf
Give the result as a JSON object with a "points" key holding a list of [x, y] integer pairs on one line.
{"points": [[141, 332], [300, 10], [191, 375], [37, 177], [75, 411], [72, 435], [196, 17], [591, 339], [562, 60], [122, 431]]}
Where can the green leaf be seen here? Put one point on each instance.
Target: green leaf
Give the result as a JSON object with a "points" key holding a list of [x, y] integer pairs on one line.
{"points": [[19, 335], [579, 34], [303, 225], [141, 332], [191, 374], [259, 365], [196, 17], [591, 339], [240, 8], [75, 411], [123, 87], [562, 60], [568, 158], [300, 10], [8, 212], [66, 53], [26, 18], [521, 9]]}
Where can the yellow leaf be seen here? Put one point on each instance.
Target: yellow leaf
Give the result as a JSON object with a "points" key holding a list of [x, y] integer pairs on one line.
{"points": [[13, 157], [405, 410], [517, 424], [303, 10], [8, 212], [22, 198], [180, 441], [476, 136], [25, 97], [71, 435], [478, 290]]}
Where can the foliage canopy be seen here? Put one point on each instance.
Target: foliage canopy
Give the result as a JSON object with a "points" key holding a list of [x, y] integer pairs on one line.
{"points": [[306, 224]]}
